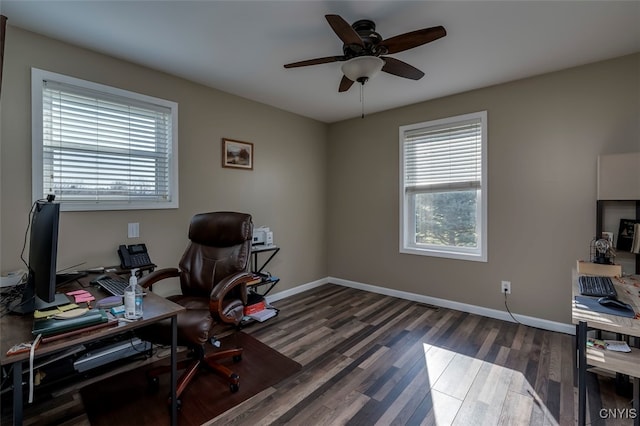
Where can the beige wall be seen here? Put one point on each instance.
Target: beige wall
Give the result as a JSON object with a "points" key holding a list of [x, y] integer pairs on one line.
{"points": [[334, 208], [286, 190], [545, 134]]}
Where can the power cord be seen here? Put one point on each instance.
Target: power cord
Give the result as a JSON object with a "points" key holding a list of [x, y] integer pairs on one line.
{"points": [[507, 307]]}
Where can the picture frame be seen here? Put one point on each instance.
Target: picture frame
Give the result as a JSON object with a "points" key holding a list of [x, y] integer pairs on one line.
{"points": [[237, 154]]}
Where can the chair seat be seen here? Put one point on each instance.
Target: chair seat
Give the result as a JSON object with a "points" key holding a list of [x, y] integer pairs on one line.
{"points": [[195, 324]]}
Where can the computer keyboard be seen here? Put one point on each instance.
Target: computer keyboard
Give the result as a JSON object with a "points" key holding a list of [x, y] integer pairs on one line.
{"points": [[596, 286], [113, 285]]}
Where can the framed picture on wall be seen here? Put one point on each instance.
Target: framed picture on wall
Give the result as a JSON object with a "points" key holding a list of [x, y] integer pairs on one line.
{"points": [[237, 154]]}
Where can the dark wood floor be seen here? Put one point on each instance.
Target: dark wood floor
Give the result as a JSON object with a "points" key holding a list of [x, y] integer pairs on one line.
{"points": [[370, 359]]}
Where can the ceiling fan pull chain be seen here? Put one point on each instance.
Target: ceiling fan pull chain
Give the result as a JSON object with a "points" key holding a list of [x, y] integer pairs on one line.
{"points": [[362, 98]]}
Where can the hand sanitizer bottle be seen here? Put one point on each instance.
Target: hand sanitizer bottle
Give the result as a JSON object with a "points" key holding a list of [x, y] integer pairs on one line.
{"points": [[133, 298]]}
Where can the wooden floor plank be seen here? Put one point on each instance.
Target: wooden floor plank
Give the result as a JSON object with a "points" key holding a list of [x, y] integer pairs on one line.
{"points": [[372, 359]]}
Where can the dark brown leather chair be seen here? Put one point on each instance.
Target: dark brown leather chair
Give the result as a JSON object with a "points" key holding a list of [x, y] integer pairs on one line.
{"points": [[213, 272]]}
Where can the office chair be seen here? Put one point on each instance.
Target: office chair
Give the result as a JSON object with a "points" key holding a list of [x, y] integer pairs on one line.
{"points": [[213, 272]]}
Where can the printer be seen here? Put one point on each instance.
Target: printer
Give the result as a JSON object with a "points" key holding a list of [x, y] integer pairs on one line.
{"points": [[262, 236]]}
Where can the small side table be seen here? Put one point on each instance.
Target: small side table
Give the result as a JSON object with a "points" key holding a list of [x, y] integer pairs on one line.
{"points": [[256, 268]]}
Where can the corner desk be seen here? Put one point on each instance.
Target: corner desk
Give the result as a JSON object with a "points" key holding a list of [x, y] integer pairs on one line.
{"points": [[16, 329], [619, 362]]}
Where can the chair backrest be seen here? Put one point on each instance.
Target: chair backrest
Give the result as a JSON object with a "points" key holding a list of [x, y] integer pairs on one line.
{"points": [[220, 245]]}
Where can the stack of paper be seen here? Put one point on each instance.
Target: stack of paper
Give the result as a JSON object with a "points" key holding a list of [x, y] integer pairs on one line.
{"points": [[264, 314], [618, 346]]}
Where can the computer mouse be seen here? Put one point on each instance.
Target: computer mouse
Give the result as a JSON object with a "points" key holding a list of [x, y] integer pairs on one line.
{"points": [[612, 302]]}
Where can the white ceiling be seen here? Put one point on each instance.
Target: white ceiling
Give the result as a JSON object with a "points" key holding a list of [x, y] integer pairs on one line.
{"points": [[240, 46]]}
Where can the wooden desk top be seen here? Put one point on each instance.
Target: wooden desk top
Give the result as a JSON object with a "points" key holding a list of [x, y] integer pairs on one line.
{"points": [[16, 329], [628, 289]]}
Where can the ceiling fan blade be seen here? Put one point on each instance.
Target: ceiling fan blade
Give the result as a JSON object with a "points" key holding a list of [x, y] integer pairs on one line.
{"points": [[345, 84], [316, 61], [343, 30], [401, 69], [413, 39]]}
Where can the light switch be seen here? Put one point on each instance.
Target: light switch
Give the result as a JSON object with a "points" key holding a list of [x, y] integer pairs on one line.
{"points": [[134, 230]]}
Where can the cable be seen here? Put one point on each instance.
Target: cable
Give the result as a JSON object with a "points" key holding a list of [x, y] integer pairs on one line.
{"points": [[26, 233], [34, 345], [505, 305]]}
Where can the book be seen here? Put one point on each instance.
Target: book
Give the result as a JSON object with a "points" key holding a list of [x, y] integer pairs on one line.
{"points": [[626, 234], [51, 326], [255, 279], [610, 345], [254, 308], [263, 315]]}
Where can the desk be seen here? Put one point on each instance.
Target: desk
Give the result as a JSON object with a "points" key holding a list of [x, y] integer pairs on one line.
{"points": [[17, 329], [619, 362]]}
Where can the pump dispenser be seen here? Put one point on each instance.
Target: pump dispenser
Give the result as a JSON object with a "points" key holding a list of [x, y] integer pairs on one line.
{"points": [[133, 298]]}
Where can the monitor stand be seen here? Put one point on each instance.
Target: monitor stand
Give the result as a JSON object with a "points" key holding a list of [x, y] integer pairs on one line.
{"points": [[60, 299], [23, 307]]}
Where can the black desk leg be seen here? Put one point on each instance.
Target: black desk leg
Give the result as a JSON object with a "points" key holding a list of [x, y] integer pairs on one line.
{"points": [[636, 400], [174, 373], [17, 393], [581, 333]]}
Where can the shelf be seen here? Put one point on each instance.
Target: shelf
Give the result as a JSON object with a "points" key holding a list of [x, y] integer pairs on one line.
{"points": [[621, 362], [600, 207]]}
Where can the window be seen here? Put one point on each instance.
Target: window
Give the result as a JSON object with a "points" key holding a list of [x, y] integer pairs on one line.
{"points": [[100, 148], [443, 187]]}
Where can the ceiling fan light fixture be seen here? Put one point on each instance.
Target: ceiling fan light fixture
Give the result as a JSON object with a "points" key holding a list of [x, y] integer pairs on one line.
{"points": [[362, 68]]}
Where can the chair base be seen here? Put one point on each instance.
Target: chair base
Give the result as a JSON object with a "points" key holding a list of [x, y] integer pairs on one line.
{"points": [[191, 367]]}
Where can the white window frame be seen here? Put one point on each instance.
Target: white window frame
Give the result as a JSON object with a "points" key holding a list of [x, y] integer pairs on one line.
{"points": [[407, 207], [38, 79]]}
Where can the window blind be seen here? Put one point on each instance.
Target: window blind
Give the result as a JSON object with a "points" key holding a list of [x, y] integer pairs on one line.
{"points": [[443, 158], [103, 148]]}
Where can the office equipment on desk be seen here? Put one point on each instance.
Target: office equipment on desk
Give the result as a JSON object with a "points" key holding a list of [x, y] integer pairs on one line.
{"points": [[592, 304], [134, 256], [51, 326], [105, 354], [262, 236], [40, 290], [115, 286], [596, 286]]}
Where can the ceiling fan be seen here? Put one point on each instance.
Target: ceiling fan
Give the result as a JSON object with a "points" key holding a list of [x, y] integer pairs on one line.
{"points": [[364, 50]]}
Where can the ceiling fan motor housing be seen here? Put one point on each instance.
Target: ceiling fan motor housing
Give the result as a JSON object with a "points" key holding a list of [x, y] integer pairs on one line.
{"points": [[366, 29]]}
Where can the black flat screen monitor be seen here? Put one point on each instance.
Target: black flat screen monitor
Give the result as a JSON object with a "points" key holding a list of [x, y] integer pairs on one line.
{"points": [[40, 290]]}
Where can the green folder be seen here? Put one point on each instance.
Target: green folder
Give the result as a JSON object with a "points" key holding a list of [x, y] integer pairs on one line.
{"points": [[48, 327]]}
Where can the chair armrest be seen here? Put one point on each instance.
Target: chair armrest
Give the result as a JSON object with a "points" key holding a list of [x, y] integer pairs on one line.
{"points": [[158, 275], [226, 285]]}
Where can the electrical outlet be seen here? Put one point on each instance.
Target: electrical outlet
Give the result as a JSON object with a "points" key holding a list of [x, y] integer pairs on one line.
{"points": [[505, 287]]}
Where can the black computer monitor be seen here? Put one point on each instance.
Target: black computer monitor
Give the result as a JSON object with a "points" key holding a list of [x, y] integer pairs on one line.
{"points": [[40, 290]]}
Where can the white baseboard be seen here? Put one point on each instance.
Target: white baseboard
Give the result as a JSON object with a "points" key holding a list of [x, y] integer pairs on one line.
{"points": [[299, 289], [464, 307]]}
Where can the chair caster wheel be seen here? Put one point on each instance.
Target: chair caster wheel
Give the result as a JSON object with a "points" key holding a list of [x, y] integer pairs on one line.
{"points": [[234, 387], [178, 404], [237, 358]]}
